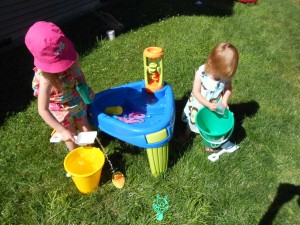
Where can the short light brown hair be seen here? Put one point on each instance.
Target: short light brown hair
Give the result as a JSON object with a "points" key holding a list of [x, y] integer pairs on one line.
{"points": [[223, 60]]}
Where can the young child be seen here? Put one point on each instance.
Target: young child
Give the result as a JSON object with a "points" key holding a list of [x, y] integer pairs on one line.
{"points": [[57, 72], [212, 84]]}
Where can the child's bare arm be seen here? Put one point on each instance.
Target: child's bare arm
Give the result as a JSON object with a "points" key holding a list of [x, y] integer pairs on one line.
{"points": [[227, 94], [197, 94], [43, 108]]}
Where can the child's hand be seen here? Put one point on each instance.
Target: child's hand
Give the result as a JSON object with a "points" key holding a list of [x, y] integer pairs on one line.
{"points": [[226, 105], [212, 106], [67, 135]]}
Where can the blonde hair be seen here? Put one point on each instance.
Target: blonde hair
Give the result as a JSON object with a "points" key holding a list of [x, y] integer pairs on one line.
{"points": [[223, 60], [55, 77], [54, 80]]}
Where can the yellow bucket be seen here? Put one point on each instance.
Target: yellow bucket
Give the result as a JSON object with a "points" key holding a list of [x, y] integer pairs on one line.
{"points": [[84, 164]]}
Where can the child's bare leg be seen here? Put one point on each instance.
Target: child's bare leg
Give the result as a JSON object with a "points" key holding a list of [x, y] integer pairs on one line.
{"points": [[70, 144], [83, 124]]}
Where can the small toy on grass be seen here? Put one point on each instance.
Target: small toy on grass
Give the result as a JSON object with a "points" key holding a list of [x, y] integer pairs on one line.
{"points": [[160, 206], [228, 147], [118, 179]]}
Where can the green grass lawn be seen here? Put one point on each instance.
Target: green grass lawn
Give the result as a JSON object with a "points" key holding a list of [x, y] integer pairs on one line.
{"points": [[258, 184]]}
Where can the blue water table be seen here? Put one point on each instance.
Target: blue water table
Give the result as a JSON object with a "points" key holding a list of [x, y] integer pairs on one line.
{"points": [[141, 113]]}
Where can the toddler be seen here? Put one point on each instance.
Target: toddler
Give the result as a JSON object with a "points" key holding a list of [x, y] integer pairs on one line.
{"points": [[57, 72], [212, 84]]}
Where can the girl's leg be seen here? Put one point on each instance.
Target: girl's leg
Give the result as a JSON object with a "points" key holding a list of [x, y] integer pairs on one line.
{"points": [[81, 121], [70, 144], [64, 118], [83, 124]]}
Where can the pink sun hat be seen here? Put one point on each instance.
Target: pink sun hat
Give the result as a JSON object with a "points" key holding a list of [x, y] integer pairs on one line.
{"points": [[53, 52]]}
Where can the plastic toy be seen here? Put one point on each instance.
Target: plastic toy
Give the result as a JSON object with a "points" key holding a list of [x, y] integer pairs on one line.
{"points": [[83, 138], [153, 68], [84, 92], [160, 206], [153, 122], [151, 132], [158, 109], [113, 110], [220, 109], [84, 165], [215, 129], [228, 147]]}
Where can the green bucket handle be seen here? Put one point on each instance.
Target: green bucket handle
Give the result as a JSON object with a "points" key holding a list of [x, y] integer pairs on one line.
{"points": [[216, 142]]}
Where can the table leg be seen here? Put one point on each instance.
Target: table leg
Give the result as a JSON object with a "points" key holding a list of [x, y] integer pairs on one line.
{"points": [[158, 159]]}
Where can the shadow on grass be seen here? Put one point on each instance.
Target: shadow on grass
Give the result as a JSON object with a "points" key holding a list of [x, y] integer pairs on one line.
{"points": [[85, 31], [285, 193], [16, 75], [241, 111]]}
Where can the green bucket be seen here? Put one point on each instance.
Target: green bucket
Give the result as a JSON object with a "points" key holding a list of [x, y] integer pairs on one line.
{"points": [[214, 128]]}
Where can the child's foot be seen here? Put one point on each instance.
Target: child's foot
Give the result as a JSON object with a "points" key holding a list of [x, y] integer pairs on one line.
{"points": [[208, 149]]}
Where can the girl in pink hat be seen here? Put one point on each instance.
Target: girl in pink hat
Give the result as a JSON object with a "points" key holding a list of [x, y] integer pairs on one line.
{"points": [[57, 73]]}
